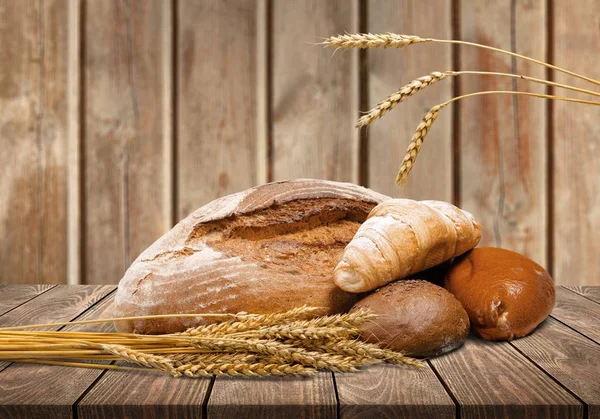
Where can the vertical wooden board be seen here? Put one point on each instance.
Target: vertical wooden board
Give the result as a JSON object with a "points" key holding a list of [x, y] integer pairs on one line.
{"points": [[578, 313], [12, 296], [503, 138], [593, 293], [216, 100], [55, 389], [388, 70], [568, 357], [33, 141], [388, 391], [576, 148], [314, 93], [124, 149], [491, 379], [273, 398]]}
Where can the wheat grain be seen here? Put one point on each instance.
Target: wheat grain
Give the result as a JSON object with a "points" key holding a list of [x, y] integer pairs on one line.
{"points": [[140, 358], [289, 353], [245, 321], [415, 144], [401, 95], [369, 40]]}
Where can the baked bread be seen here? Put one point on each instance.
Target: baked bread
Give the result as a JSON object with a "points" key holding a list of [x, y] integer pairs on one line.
{"points": [[266, 249], [402, 237], [505, 293], [416, 317]]}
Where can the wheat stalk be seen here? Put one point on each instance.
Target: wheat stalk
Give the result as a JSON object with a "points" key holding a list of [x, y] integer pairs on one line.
{"points": [[319, 360], [244, 321], [290, 343], [421, 83], [425, 125], [387, 40]]}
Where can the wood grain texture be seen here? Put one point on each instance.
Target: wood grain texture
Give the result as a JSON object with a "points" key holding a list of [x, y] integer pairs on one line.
{"points": [[273, 398], [576, 148], [123, 130], [577, 312], [568, 357], [491, 379], [503, 138], [390, 69], [386, 391], [33, 141], [55, 389], [315, 94], [593, 293], [12, 296], [216, 100], [128, 394]]}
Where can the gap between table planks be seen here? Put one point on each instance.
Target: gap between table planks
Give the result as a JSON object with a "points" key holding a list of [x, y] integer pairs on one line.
{"points": [[557, 358]]}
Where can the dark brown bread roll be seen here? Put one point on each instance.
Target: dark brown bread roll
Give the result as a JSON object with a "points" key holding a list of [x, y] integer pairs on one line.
{"points": [[505, 294], [415, 317], [267, 249]]}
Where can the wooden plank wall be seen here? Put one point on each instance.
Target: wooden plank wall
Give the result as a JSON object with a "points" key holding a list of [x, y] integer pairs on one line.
{"points": [[118, 118]]}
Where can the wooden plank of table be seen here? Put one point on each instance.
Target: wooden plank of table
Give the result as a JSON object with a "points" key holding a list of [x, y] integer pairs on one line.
{"points": [[34, 80], [575, 145], [315, 94], [389, 137], [60, 304], [503, 152], [577, 312], [492, 379], [568, 357], [124, 128], [54, 390], [143, 395], [12, 296], [216, 101], [389, 391], [286, 397], [593, 293]]}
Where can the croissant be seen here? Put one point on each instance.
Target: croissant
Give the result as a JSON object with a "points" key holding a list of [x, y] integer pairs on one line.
{"points": [[401, 237]]}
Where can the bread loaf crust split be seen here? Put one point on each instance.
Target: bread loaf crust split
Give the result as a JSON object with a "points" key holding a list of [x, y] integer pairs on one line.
{"points": [[266, 249], [402, 237]]}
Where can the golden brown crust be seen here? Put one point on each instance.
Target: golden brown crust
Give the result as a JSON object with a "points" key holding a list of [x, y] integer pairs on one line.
{"points": [[267, 249], [416, 317], [506, 295]]}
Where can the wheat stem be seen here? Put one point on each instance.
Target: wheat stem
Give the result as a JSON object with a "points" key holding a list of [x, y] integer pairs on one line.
{"points": [[421, 83], [430, 117], [391, 40]]}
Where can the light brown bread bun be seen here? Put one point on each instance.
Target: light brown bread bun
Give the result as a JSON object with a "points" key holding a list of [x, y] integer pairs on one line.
{"points": [[415, 317], [505, 294], [266, 249]]}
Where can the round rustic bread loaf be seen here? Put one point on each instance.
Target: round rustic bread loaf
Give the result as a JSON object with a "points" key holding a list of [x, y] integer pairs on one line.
{"points": [[416, 317], [266, 249], [506, 295]]}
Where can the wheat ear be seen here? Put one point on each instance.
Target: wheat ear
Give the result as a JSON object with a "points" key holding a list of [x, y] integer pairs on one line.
{"points": [[387, 40], [244, 321], [287, 353], [425, 125], [421, 83], [369, 40], [140, 358]]}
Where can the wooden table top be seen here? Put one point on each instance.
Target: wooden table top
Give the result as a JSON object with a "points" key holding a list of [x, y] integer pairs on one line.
{"points": [[553, 372]]}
